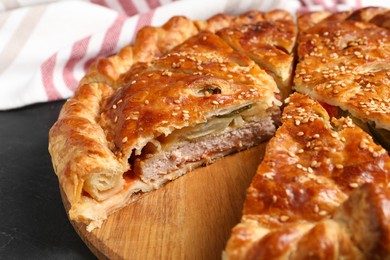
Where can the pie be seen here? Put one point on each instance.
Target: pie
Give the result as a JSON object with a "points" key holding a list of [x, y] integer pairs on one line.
{"points": [[181, 97], [321, 192], [344, 60], [190, 92]]}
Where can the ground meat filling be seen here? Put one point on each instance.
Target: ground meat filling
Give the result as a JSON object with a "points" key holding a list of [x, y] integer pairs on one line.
{"points": [[203, 150]]}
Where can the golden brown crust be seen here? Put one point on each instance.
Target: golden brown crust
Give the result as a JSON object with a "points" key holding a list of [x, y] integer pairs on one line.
{"points": [[345, 63], [382, 20], [138, 113], [77, 142], [297, 204], [127, 100], [267, 38], [220, 21], [150, 42], [270, 43]]}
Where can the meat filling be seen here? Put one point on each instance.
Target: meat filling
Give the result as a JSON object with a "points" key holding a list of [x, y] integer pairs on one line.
{"points": [[169, 164]]}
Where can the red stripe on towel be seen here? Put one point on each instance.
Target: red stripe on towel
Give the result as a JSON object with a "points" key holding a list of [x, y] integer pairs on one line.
{"points": [[79, 50], [47, 74], [110, 40], [129, 7], [153, 3]]}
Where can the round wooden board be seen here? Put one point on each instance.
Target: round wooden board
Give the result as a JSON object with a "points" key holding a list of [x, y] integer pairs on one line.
{"points": [[189, 218]]}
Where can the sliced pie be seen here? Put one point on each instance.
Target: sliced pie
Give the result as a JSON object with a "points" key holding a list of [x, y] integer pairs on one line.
{"points": [[344, 61], [270, 43], [321, 192], [267, 38], [156, 111]]}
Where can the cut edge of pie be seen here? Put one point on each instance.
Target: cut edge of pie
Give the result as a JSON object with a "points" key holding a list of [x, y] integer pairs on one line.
{"points": [[322, 190], [92, 146]]}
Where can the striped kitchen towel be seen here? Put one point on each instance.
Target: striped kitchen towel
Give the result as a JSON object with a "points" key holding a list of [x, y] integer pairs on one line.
{"points": [[46, 46]]}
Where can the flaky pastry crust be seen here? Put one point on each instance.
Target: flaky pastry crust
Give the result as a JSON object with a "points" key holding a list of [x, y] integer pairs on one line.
{"points": [[173, 78], [320, 192], [344, 61]]}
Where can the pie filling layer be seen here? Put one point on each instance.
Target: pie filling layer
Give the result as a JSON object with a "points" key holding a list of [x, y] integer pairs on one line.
{"points": [[168, 157]]}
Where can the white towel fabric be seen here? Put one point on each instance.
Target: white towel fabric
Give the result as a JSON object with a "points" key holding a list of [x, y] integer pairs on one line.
{"points": [[46, 46]]}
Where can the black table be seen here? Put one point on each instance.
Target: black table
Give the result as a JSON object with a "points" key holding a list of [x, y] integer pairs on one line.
{"points": [[33, 222]]}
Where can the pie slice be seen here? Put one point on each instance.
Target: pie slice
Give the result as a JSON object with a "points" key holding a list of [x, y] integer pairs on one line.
{"points": [[270, 43], [135, 127], [267, 38], [344, 61], [320, 192]]}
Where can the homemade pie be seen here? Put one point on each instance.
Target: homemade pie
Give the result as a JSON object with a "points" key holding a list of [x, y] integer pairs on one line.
{"points": [[190, 92], [176, 100]]}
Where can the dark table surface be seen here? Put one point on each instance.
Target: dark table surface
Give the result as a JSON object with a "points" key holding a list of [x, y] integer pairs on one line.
{"points": [[33, 222]]}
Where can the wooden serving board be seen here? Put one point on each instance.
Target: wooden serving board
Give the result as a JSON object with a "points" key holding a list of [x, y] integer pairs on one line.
{"points": [[189, 218]]}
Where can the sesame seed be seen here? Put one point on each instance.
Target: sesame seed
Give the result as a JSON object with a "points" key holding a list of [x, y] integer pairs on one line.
{"points": [[354, 185], [119, 101], [339, 166], [284, 218], [113, 106], [297, 122], [363, 144], [299, 166], [124, 140], [166, 73], [146, 102], [322, 212], [176, 65], [274, 198], [269, 175], [316, 208], [115, 119], [174, 114], [316, 136], [215, 102], [300, 133], [300, 151]]}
